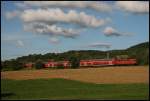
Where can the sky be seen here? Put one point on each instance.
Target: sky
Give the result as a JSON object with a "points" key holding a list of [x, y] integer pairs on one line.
{"points": [[40, 27]]}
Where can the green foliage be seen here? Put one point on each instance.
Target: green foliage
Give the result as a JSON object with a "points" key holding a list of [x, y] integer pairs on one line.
{"points": [[39, 65], [11, 65], [140, 52], [74, 62], [60, 66], [48, 89], [17, 65]]}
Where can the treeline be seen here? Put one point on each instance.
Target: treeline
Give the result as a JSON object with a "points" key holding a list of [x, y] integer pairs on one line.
{"points": [[140, 52]]}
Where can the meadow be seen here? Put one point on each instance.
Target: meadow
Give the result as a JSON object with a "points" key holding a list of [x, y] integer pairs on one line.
{"points": [[110, 83], [69, 89]]}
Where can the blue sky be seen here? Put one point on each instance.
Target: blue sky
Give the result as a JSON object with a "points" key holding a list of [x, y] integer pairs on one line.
{"points": [[123, 27]]}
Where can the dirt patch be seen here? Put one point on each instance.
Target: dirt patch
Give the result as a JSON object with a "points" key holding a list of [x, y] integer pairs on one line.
{"points": [[120, 74]]}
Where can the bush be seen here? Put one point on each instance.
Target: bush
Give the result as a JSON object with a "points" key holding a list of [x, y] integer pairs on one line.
{"points": [[18, 66], [74, 62], [60, 66], [39, 65], [11, 65]]}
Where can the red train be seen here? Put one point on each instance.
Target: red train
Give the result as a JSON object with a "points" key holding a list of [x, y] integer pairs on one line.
{"points": [[125, 62], [109, 62], [55, 64], [93, 62]]}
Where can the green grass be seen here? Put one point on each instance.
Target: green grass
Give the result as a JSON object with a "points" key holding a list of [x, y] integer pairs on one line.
{"points": [[69, 89]]}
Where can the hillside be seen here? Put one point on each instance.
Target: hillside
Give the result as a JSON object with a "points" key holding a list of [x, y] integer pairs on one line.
{"points": [[140, 52]]}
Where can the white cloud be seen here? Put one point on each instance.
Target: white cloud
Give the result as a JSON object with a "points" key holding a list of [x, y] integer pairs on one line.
{"points": [[57, 15], [134, 6], [109, 31], [54, 40], [100, 45], [20, 43], [46, 29], [95, 5], [44, 21]]}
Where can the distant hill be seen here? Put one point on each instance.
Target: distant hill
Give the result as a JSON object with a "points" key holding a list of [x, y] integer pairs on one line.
{"points": [[140, 52]]}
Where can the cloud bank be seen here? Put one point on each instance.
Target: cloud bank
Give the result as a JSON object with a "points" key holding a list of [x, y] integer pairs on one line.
{"points": [[57, 15], [45, 29], [141, 7], [94, 5], [44, 21], [42, 18]]}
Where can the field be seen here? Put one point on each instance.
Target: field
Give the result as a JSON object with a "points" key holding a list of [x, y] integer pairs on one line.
{"points": [[68, 89], [91, 83], [117, 75]]}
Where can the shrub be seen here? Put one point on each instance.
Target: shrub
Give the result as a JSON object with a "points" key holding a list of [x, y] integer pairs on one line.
{"points": [[74, 62], [39, 65], [60, 66]]}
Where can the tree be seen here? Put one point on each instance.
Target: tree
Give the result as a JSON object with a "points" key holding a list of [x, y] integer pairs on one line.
{"points": [[39, 65], [12, 65], [74, 62], [17, 65], [60, 66]]}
